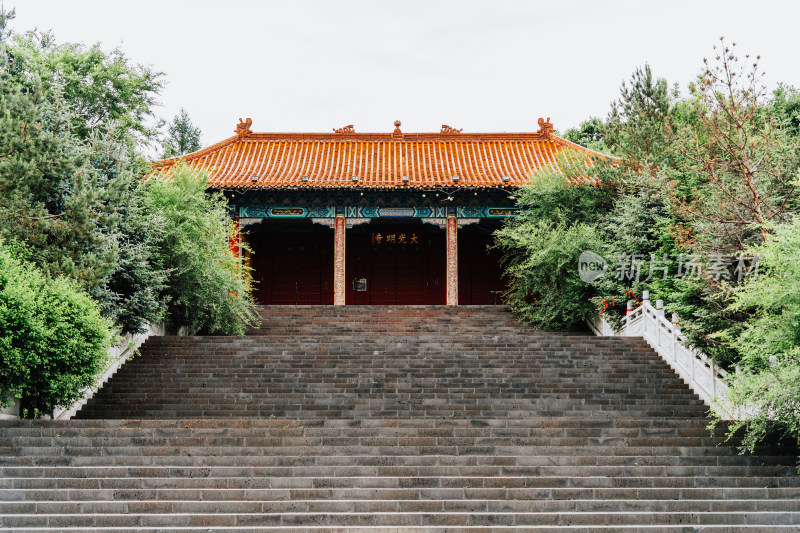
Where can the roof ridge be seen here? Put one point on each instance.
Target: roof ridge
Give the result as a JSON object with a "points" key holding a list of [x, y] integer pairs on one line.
{"points": [[376, 160], [383, 137], [197, 153], [566, 142]]}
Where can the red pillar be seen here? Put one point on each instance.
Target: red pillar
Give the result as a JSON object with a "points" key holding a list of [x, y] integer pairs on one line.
{"points": [[339, 285], [452, 261], [235, 237]]}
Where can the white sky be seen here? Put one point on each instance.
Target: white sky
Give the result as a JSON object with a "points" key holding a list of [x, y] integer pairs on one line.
{"points": [[481, 66]]}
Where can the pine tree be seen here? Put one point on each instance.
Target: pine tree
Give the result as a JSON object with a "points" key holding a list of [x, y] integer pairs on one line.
{"points": [[636, 126], [183, 136], [72, 194]]}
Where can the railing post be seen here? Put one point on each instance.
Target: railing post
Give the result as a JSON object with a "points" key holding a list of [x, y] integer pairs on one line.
{"points": [[713, 379], [738, 409], [687, 370], [628, 312], [645, 301], [675, 337], [659, 314]]}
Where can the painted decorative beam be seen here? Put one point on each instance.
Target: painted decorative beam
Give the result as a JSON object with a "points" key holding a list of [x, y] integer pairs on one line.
{"points": [[267, 211]]}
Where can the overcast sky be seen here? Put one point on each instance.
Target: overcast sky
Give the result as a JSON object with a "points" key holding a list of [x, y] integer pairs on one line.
{"points": [[481, 66]]}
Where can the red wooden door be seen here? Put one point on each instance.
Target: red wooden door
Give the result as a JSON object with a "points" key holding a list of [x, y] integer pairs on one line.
{"points": [[357, 267], [433, 264], [382, 281], [308, 276], [293, 269], [284, 279], [409, 278], [480, 279]]}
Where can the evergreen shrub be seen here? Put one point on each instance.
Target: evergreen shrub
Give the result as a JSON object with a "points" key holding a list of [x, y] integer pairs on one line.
{"points": [[53, 340]]}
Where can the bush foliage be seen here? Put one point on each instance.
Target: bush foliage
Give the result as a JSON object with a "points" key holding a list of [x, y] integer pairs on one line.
{"points": [[53, 341], [768, 386], [110, 249], [208, 287], [541, 248], [710, 179]]}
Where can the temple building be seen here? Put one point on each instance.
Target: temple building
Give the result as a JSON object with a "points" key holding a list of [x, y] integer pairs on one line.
{"points": [[350, 218]]}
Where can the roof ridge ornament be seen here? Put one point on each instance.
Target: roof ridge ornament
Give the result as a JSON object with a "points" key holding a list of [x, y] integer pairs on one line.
{"points": [[345, 129], [447, 130], [243, 128], [545, 127], [397, 133]]}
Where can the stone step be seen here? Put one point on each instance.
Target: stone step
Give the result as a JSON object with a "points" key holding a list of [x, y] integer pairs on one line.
{"points": [[263, 476], [189, 425], [221, 456], [225, 414], [80, 436], [397, 506], [428, 529], [153, 485], [25, 466], [392, 419], [402, 519], [544, 493]]}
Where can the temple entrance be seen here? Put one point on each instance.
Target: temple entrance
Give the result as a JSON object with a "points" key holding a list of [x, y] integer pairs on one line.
{"points": [[395, 263], [292, 262], [388, 262], [480, 273]]}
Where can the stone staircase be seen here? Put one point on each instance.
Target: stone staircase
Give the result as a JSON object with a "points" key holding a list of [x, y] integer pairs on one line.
{"points": [[391, 419]]}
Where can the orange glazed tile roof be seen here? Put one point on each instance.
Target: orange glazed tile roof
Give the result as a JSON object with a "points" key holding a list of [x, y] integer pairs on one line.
{"points": [[379, 160]]}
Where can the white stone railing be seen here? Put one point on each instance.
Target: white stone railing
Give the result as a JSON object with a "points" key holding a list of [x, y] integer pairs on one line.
{"points": [[698, 370], [117, 357]]}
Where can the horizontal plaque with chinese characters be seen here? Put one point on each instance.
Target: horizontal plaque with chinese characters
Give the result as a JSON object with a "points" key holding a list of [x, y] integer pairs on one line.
{"points": [[393, 238]]}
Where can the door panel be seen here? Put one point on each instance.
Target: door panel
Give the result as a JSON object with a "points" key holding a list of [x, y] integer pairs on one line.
{"points": [[284, 280], [357, 267], [297, 267], [383, 278], [480, 278], [293, 268], [409, 278]]}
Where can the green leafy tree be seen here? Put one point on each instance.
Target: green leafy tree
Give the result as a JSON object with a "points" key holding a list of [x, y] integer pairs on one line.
{"points": [[786, 107], [208, 286], [589, 133], [53, 341], [743, 159], [636, 245], [542, 260], [636, 126], [131, 293], [5, 18], [774, 294], [767, 390], [70, 188], [182, 136], [732, 173], [48, 198], [105, 91], [541, 248]]}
